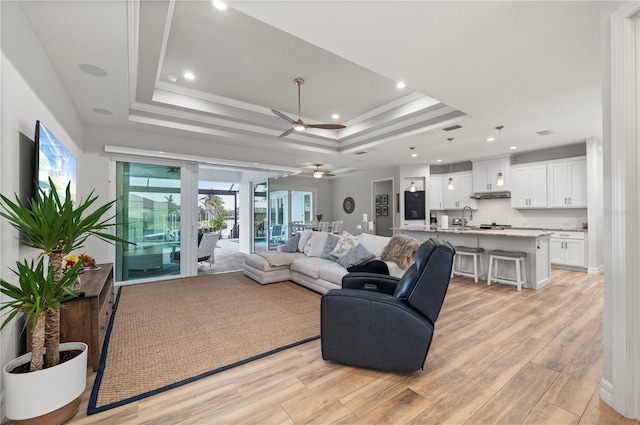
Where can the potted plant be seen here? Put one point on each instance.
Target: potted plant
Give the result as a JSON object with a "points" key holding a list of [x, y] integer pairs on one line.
{"points": [[56, 227]]}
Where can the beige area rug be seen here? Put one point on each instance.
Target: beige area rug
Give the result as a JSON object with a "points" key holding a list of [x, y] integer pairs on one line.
{"points": [[166, 334]]}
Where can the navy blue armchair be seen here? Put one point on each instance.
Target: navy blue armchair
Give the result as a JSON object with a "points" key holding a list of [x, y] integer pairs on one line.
{"points": [[385, 323]]}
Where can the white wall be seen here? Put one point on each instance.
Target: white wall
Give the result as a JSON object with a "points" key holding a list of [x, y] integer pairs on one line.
{"points": [[30, 91], [358, 186]]}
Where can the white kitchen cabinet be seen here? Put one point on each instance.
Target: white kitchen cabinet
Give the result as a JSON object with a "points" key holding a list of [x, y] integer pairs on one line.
{"points": [[529, 186], [485, 175], [435, 192], [567, 184], [460, 196], [568, 249]]}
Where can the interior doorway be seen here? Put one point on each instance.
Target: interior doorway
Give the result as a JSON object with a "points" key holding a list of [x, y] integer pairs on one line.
{"points": [[383, 200]]}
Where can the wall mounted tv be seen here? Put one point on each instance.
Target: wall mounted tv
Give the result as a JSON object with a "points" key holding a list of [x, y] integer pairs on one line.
{"points": [[54, 161]]}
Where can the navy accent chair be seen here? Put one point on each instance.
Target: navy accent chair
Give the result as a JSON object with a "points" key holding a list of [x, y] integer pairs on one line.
{"points": [[385, 323]]}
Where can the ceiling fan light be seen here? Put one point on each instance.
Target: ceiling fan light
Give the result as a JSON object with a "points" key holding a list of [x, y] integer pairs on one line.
{"points": [[500, 181], [299, 127], [317, 174], [450, 183]]}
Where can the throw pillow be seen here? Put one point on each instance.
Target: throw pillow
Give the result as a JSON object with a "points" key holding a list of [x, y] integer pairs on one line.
{"points": [[401, 250], [292, 244], [357, 255], [329, 245], [304, 237], [346, 243], [316, 244]]}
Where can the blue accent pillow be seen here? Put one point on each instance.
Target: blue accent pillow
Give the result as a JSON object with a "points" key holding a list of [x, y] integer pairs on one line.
{"points": [[355, 256], [329, 245], [292, 244]]}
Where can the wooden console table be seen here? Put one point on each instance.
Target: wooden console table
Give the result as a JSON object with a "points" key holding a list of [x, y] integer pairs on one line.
{"points": [[85, 319]]}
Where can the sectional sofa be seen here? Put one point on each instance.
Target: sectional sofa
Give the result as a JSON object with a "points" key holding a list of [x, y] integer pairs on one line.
{"points": [[319, 260]]}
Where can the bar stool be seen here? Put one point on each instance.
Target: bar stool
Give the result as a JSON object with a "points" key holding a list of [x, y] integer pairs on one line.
{"points": [[518, 260], [472, 252]]}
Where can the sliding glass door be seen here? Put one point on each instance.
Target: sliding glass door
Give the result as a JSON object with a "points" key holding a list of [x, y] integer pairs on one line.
{"points": [[149, 206], [260, 217], [286, 206]]}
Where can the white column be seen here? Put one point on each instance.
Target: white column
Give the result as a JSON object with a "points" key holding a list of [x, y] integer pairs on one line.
{"points": [[620, 386]]}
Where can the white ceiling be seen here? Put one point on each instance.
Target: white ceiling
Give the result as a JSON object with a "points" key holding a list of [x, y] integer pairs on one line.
{"points": [[529, 66]]}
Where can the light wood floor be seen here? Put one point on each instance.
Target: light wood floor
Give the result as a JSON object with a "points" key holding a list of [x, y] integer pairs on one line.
{"points": [[498, 357]]}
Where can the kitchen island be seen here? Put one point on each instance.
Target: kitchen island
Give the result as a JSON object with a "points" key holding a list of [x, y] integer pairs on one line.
{"points": [[534, 242]]}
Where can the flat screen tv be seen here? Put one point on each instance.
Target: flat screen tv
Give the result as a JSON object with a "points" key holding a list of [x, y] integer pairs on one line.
{"points": [[54, 161]]}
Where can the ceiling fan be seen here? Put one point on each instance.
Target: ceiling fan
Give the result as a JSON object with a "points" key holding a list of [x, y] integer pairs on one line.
{"points": [[318, 173], [298, 125]]}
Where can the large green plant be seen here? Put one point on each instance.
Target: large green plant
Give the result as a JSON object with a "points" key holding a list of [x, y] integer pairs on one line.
{"points": [[36, 294], [56, 227]]}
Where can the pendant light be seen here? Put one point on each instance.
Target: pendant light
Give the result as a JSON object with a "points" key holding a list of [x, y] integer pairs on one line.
{"points": [[450, 182], [500, 179]]}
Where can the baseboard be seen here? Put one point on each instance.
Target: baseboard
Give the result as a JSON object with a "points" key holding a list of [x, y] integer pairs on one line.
{"points": [[596, 270], [606, 392]]}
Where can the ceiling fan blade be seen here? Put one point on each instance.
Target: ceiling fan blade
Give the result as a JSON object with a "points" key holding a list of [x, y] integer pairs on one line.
{"points": [[286, 133], [283, 116], [326, 126]]}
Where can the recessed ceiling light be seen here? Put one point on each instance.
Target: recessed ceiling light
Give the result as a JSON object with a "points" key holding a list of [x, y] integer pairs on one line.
{"points": [[490, 139], [172, 78], [92, 70], [513, 148], [189, 75], [413, 155], [438, 160], [401, 85], [220, 5], [335, 116]]}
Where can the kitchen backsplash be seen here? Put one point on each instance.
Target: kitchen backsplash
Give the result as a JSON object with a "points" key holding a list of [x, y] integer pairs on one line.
{"points": [[499, 211]]}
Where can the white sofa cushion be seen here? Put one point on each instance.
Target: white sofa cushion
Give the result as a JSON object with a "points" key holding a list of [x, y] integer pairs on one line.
{"points": [[260, 263], [333, 273], [375, 244], [309, 266]]}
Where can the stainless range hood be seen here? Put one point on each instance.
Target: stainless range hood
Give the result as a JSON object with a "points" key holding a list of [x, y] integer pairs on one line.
{"points": [[491, 195]]}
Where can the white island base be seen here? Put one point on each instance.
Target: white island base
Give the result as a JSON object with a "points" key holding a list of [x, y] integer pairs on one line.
{"points": [[534, 242]]}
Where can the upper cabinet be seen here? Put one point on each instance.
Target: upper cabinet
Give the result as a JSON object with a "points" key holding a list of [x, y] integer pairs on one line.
{"points": [[460, 196], [487, 173], [435, 192], [529, 186], [567, 184]]}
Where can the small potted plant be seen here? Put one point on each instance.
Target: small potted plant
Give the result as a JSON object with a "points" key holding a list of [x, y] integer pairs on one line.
{"points": [[56, 227]]}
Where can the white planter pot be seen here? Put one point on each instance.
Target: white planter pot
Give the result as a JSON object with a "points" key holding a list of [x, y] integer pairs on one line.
{"points": [[33, 394]]}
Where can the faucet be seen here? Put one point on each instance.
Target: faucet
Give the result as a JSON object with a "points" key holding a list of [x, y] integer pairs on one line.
{"points": [[470, 217]]}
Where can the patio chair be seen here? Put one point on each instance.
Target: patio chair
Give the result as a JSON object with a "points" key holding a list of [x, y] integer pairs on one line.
{"points": [[206, 249]]}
